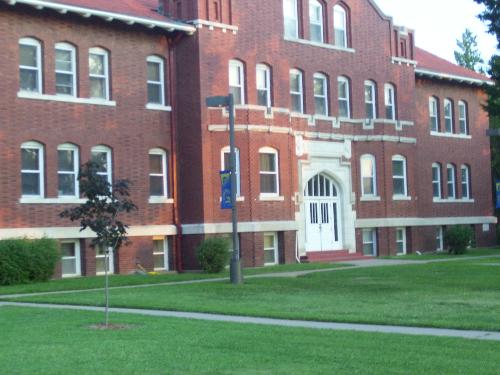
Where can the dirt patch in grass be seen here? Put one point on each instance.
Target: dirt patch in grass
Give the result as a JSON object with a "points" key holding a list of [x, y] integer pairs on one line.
{"points": [[112, 327]]}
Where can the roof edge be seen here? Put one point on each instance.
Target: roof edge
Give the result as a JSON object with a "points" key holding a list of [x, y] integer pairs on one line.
{"points": [[452, 77]]}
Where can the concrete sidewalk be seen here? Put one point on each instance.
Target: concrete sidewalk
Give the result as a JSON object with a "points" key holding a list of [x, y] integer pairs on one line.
{"points": [[414, 331]]}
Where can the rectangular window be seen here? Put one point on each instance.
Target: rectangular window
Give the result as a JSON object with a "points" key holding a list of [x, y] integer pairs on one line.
{"points": [[465, 179], [439, 239], [157, 173], [340, 26], [316, 21], [65, 69], [100, 261], [399, 177], [237, 81], [269, 173], [156, 80], [343, 98], [370, 104], [401, 241], [436, 181], [291, 20], [98, 74], [102, 156], [30, 65], [450, 170], [70, 259], [67, 171], [369, 242], [32, 170], [368, 182], [462, 118], [270, 249], [263, 85], [433, 115], [296, 91], [448, 116], [160, 254], [390, 106], [320, 95]]}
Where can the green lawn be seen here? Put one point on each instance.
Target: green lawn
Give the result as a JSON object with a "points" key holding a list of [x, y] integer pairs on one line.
{"points": [[123, 280], [446, 255], [463, 294], [38, 341]]}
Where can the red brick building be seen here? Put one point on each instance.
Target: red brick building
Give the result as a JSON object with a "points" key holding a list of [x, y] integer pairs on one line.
{"points": [[350, 139]]}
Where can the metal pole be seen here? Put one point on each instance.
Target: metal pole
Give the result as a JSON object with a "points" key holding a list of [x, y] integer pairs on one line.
{"points": [[235, 272]]}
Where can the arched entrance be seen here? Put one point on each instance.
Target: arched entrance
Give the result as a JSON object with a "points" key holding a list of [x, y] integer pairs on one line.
{"points": [[322, 208]]}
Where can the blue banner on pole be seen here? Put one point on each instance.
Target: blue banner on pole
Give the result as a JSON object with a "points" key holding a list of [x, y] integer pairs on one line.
{"points": [[225, 179], [497, 189]]}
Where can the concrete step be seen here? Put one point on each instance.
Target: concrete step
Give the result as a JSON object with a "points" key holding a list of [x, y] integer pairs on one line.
{"points": [[332, 256]]}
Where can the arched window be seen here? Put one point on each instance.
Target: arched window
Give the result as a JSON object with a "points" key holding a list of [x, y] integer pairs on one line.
{"points": [[263, 85], [30, 65], [436, 181], [344, 97], [399, 177], [296, 91], [67, 170], [466, 182], [156, 80], [451, 181], [390, 101], [433, 114], [340, 26], [462, 117], [291, 19], [448, 115], [368, 176], [66, 69], [99, 73], [269, 171], [370, 99], [226, 165], [158, 173], [316, 21], [320, 94], [102, 156], [32, 169], [237, 81]]}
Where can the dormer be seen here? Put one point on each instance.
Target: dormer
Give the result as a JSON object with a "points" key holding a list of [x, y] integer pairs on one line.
{"points": [[215, 11], [403, 45]]}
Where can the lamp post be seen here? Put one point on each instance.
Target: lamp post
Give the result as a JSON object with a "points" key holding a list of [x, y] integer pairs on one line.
{"points": [[236, 274]]}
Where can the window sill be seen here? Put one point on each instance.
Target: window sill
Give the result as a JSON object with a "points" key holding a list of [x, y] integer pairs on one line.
{"points": [[159, 107], [401, 198], [271, 198], [450, 135], [319, 44], [160, 200], [41, 200], [452, 200], [64, 99], [370, 199]]}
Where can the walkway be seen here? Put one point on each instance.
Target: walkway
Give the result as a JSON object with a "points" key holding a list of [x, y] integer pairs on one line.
{"points": [[415, 331]]}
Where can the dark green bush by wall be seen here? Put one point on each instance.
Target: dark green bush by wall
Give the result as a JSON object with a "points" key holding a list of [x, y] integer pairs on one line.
{"points": [[24, 261], [213, 254], [458, 238]]}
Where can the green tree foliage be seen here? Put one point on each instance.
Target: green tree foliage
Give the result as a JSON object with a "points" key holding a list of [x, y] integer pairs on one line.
{"points": [[468, 54]]}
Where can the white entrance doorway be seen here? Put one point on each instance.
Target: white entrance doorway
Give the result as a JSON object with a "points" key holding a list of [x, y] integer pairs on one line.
{"points": [[322, 209]]}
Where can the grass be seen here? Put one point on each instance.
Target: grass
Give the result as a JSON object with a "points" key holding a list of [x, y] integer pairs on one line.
{"points": [[464, 295], [96, 282], [446, 255], [53, 342]]}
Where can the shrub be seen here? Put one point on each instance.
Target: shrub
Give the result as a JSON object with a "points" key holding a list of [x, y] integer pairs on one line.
{"points": [[458, 238], [23, 261], [213, 254]]}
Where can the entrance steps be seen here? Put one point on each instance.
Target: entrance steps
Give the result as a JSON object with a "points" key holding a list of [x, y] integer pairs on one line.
{"points": [[332, 256]]}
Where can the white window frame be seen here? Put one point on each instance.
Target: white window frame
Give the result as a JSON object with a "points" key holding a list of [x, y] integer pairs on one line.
{"points": [[236, 64], [68, 48], [448, 116], [401, 241], [462, 117], [437, 182], [323, 96], [440, 238], [390, 101], [40, 171], [109, 171], [266, 71], [161, 66], [433, 114], [274, 248], [341, 80], [77, 258], [76, 166], [32, 43], [451, 182], [372, 242], [314, 22], [105, 76], [299, 93], [373, 177], [340, 14], [269, 150], [111, 260], [164, 252], [289, 18], [404, 177], [465, 182], [227, 150], [163, 175], [372, 102]]}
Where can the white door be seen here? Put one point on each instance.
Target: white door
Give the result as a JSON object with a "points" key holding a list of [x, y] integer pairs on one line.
{"points": [[323, 231]]}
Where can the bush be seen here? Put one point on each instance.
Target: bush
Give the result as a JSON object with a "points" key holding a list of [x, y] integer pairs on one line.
{"points": [[24, 261], [458, 238], [213, 254]]}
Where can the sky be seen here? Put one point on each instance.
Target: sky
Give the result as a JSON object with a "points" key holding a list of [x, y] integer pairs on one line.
{"points": [[439, 23]]}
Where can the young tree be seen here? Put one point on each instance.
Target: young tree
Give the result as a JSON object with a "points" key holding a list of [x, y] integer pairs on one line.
{"points": [[100, 213], [468, 54]]}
